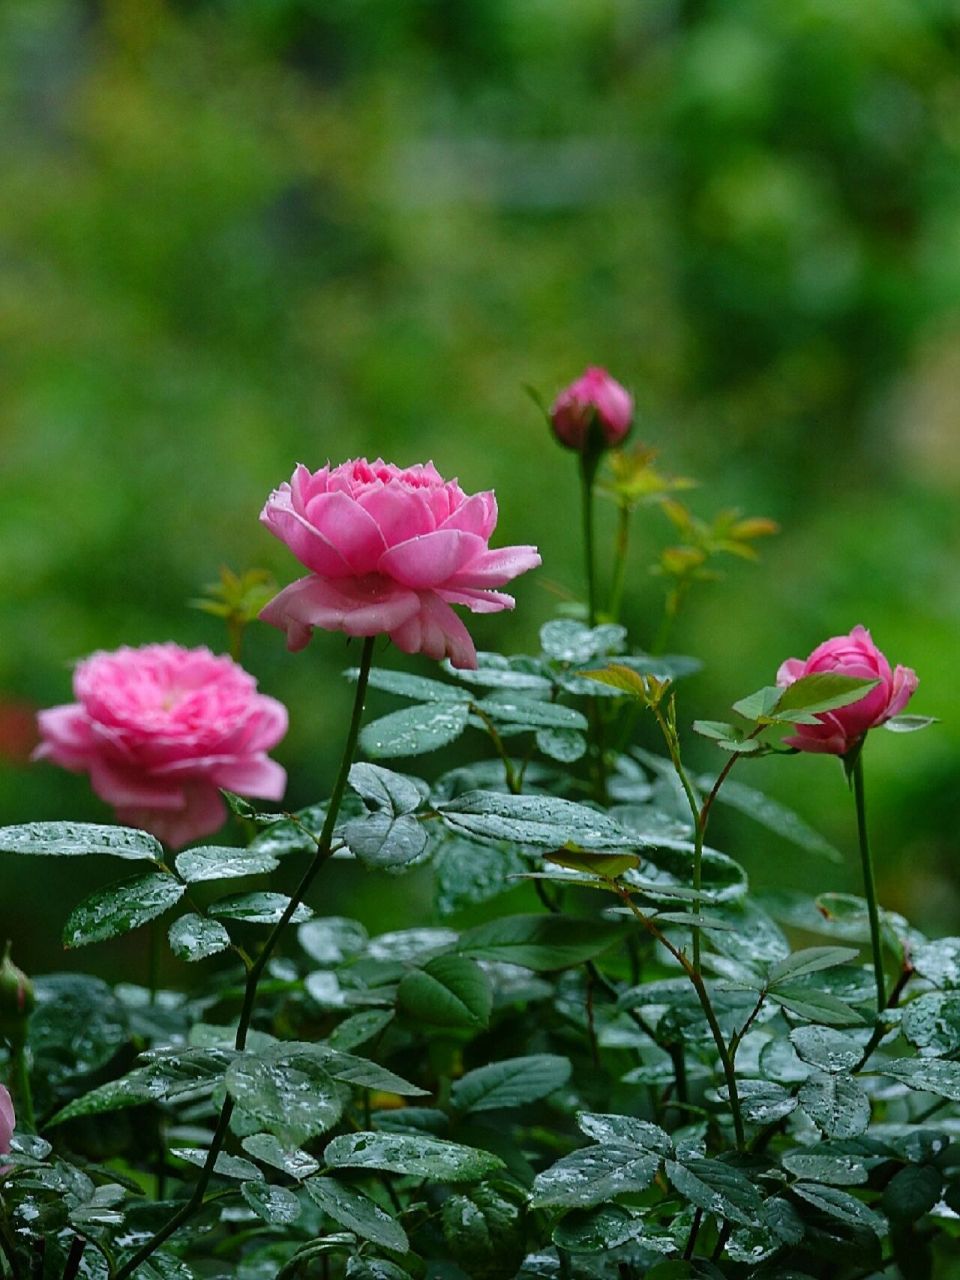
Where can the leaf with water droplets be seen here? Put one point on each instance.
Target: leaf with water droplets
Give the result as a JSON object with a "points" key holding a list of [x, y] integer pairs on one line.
{"points": [[209, 862], [938, 962], [825, 1048], [818, 1165], [717, 1188], [449, 991], [841, 1205], [537, 821], [225, 1165], [597, 1230], [380, 840], [193, 937], [357, 1213], [288, 1090], [837, 1103], [276, 1205], [595, 1174], [930, 1075], [258, 908], [75, 839], [290, 1160], [120, 907], [932, 1021], [419, 1157], [415, 730]]}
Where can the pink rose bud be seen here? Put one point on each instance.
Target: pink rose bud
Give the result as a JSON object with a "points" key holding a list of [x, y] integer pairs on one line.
{"points": [[595, 398], [839, 731], [389, 551], [7, 1121], [159, 729]]}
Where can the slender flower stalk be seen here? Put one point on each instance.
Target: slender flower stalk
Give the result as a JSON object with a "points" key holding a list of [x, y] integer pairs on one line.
{"points": [[622, 547], [589, 462], [869, 885], [256, 968]]}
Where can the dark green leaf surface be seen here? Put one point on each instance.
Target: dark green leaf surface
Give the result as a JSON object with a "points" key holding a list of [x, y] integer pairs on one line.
{"points": [[510, 1083], [419, 1157], [76, 839], [120, 907]]}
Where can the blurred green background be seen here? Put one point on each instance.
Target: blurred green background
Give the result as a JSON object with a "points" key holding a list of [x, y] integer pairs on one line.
{"points": [[238, 234]]}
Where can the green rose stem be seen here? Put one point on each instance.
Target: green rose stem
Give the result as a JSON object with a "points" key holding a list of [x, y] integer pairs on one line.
{"points": [[589, 462], [620, 561], [705, 1003], [869, 886], [256, 968]]}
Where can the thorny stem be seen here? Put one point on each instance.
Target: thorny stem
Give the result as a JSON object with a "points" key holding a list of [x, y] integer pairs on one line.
{"points": [[324, 848], [692, 1237], [705, 1003], [870, 888]]}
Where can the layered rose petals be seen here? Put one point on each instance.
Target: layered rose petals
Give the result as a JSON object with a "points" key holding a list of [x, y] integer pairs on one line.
{"points": [[595, 398], [7, 1121], [838, 732], [389, 551], [159, 729]]}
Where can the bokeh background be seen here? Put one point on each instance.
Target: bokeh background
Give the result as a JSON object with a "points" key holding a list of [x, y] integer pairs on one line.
{"points": [[238, 234]]}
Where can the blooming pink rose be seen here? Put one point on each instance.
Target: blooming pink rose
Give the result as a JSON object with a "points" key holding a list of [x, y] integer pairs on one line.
{"points": [[595, 397], [159, 729], [7, 1121], [389, 550], [837, 732]]}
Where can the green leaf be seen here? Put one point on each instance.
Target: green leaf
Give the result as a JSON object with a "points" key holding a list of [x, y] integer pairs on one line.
{"points": [[362, 1072], [816, 1165], [841, 1205], [225, 1165], [275, 1205], [291, 1161], [510, 1083], [485, 1231], [810, 960], [415, 730], [912, 1192], [594, 1175], [193, 937], [333, 940], [287, 1089], [387, 791], [565, 640], [449, 991], [529, 713], [597, 1230], [76, 839], [357, 1213], [822, 691], [816, 1006], [258, 908], [837, 1103], [717, 1188], [419, 1157], [208, 862], [405, 685], [544, 821], [623, 679], [771, 814], [120, 907], [930, 1075], [938, 962], [565, 745], [542, 943], [825, 1048], [179, 1075], [367, 1268], [932, 1021], [494, 671], [909, 724], [468, 873], [763, 1102], [380, 840], [359, 1028], [626, 1131], [757, 706]]}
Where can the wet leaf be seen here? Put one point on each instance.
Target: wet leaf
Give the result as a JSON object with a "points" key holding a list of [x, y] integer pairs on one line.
{"points": [[120, 907]]}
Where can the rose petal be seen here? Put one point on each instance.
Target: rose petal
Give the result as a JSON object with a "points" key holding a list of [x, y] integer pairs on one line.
{"points": [[431, 560], [495, 568], [340, 521], [259, 777], [359, 606], [477, 515], [478, 601], [201, 813], [435, 630]]}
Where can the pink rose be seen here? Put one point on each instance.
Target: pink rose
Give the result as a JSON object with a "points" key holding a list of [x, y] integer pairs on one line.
{"points": [[159, 729], [595, 397], [389, 551], [854, 655], [8, 1122]]}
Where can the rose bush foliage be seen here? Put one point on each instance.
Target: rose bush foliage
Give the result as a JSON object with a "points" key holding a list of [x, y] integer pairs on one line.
{"points": [[601, 1056]]}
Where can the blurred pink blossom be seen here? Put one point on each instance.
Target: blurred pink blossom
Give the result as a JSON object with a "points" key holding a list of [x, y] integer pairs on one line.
{"points": [[7, 1121], [837, 732], [389, 550], [594, 397], [159, 729]]}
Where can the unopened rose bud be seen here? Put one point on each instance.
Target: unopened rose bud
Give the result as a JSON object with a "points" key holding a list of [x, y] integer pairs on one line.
{"points": [[16, 999], [596, 406]]}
